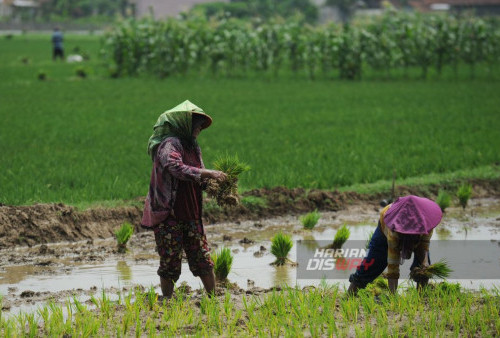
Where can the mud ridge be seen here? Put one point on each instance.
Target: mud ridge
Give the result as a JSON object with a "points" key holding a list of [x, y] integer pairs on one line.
{"points": [[50, 223]]}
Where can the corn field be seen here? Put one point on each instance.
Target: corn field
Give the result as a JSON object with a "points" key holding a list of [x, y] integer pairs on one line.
{"points": [[236, 48]]}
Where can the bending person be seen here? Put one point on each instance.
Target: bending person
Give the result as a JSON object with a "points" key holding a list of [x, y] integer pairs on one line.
{"points": [[405, 227], [173, 207]]}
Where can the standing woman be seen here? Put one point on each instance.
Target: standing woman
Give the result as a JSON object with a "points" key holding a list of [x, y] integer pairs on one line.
{"points": [[173, 207], [405, 227]]}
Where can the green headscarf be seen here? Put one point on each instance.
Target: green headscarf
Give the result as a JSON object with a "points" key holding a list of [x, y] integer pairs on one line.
{"points": [[176, 122]]}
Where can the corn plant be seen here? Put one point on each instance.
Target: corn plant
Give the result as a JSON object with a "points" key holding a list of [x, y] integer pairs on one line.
{"points": [[464, 192], [281, 245], [341, 237], [310, 219], [123, 235], [443, 200], [223, 260]]}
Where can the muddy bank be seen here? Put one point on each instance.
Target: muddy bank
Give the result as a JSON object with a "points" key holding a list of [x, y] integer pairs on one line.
{"points": [[50, 223]]}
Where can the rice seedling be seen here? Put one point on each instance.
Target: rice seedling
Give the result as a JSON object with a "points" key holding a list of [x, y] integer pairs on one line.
{"points": [[223, 260], [443, 200], [440, 269], [280, 247], [123, 235], [226, 192], [341, 236], [310, 219], [464, 192]]}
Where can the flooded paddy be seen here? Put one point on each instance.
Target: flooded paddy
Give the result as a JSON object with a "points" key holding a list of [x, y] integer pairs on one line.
{"points": [[32, 276]]}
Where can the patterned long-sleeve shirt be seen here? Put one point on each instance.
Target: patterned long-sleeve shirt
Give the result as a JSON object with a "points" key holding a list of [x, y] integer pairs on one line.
{"points": [[168, 169], [394, 247]]}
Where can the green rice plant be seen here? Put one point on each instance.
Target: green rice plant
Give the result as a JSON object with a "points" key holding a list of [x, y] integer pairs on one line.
{"points": [[464, 192], [341, 236], [310, 219], [223, 260], [280, 247], [443, 200], [152, 298], [440, 269], [78, 305], [123, 235], [226, 192]]}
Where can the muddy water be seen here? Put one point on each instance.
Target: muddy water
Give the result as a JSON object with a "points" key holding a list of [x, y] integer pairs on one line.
{"points": [[24, 286]]}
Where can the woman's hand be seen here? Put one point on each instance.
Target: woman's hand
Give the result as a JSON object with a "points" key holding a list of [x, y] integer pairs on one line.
{"points": [[215, 174]]}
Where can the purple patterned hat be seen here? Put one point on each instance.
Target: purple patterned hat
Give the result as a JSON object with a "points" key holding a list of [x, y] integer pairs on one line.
{"points": [[413, 215]]}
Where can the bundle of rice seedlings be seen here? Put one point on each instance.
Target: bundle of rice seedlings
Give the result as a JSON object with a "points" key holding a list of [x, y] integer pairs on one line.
{"points": [[223, 260], [436, 270], [378, 286], [463, 194], [443, 200], [310, 219], [341, 237], [123, 235], [280, 247], [226, 192]]}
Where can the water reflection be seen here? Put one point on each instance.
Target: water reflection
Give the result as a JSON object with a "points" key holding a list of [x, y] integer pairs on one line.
{"points": [[281, 275], [124, 270]]}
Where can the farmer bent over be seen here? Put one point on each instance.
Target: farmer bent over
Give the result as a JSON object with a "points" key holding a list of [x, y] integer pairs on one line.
{"points": [[405, 226], [173, 206]]}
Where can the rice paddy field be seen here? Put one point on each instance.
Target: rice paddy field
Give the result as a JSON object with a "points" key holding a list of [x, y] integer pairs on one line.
{"points": [[81, 140], [76, 140]]}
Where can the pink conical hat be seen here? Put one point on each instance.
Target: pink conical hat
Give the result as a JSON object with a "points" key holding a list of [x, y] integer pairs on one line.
{"points": [[413, 215]]}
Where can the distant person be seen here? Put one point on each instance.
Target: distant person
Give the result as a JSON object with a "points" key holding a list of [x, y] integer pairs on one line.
{"points": [[57, 43], [404, 227], [173, 206]]}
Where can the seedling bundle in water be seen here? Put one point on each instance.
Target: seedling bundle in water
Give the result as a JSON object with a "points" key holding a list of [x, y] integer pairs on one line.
{"points": [[223, 260], [226, 192], [280, 247], [341, 237], [123, 235], [463, 194], [443, 200], [309, 220]]}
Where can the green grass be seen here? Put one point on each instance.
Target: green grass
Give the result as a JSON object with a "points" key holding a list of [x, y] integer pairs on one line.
{"points": [[81, 140], [440, 310]]}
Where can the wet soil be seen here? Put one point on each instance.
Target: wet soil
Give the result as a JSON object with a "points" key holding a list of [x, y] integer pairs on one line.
{"points": [[53, 239], [49, 223]]}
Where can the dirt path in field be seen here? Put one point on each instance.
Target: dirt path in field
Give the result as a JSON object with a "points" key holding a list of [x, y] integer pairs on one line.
{"points": [[50, 223]]}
